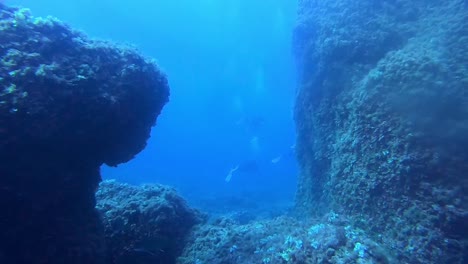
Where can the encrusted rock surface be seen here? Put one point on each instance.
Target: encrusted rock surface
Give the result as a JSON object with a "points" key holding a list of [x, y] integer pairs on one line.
{"points": [[282, 240], [382, 119], [68, 104], [144, 224]]}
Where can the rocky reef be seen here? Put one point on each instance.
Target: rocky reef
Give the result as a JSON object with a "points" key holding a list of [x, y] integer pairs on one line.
{"points": [[282, 240], [382, 119], [144, 224], [68, 104]]}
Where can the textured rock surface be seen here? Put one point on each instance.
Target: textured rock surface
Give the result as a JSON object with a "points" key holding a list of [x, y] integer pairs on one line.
{"points": [[146, 224], [382, 119], [281, 240], [68, 104]]}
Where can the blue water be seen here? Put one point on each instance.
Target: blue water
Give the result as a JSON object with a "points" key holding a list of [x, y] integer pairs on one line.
{"points": [[232, 77]]}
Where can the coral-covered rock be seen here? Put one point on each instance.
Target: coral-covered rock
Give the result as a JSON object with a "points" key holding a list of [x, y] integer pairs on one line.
{"points": [[68, 94], [281, 240], [144, 224], [68, 104], [382, 119]]}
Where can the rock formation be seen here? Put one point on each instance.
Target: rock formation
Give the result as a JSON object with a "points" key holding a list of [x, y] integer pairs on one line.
{"points": [[68, 104], [382, 119]]}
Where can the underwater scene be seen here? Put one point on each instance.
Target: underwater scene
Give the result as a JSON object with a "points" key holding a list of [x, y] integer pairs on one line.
{"points": [[234, 131]]}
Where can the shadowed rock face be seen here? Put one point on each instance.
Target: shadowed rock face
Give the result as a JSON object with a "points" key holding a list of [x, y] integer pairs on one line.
{"points": [[68, 104], [382, 119], [145, 224]]}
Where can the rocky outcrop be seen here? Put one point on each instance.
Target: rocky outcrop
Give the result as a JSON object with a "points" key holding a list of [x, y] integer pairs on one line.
{"points": [[281, 240], [68, 104], [144, 224], [382, 119]]}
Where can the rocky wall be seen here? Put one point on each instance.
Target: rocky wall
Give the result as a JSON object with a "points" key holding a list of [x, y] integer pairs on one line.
{"points": [[68, 104], [382, 119]]}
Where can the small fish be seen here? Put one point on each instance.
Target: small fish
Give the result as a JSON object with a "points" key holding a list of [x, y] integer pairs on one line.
{"points": [[276, 160], [229, 176]]}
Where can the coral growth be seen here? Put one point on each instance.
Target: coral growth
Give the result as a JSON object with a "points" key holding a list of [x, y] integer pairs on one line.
{"points": [[282, 240], [382, 119], [68, 104], [143, 224]]}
